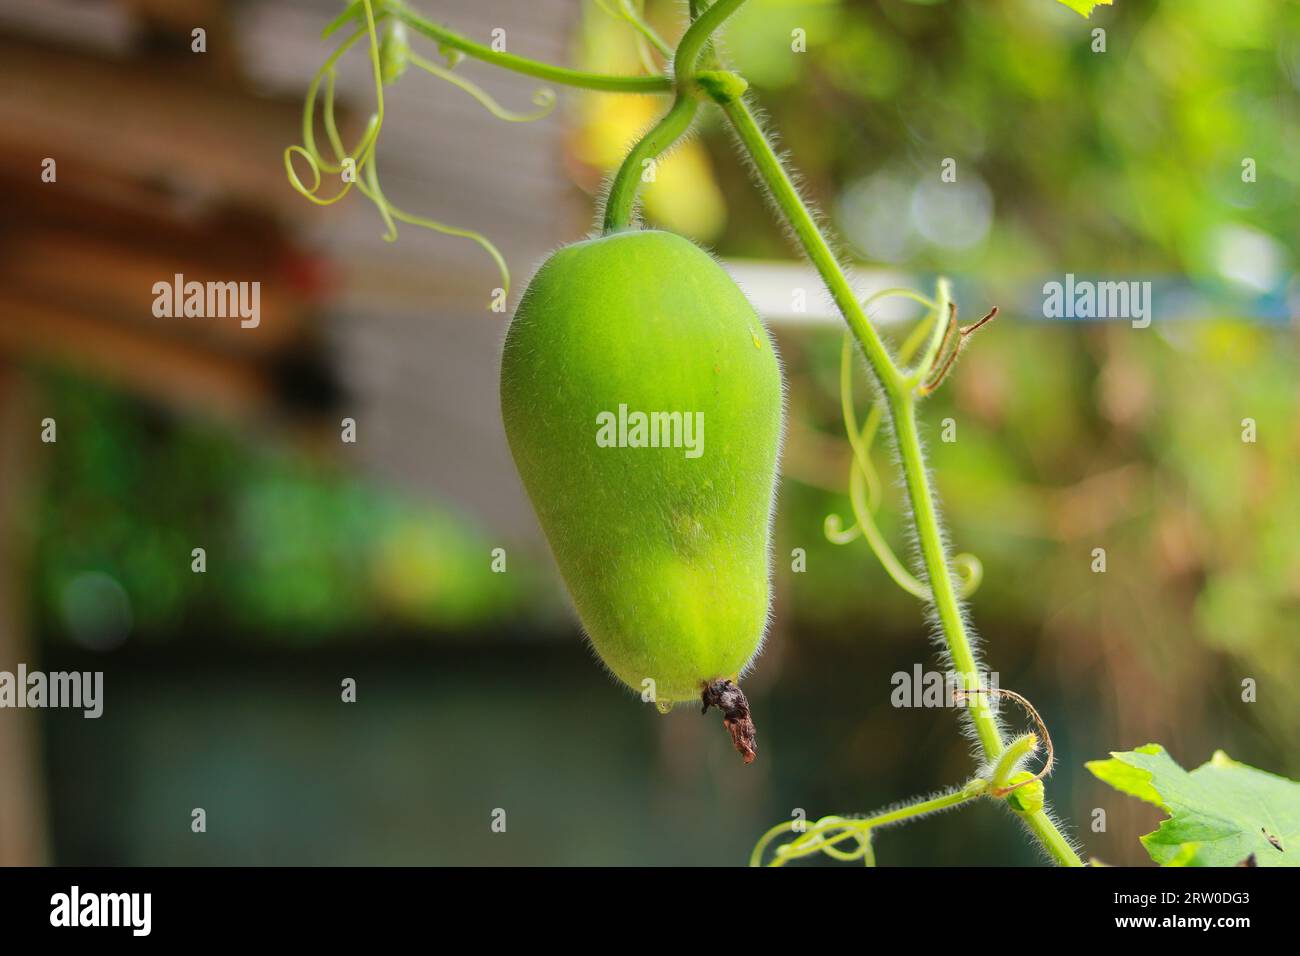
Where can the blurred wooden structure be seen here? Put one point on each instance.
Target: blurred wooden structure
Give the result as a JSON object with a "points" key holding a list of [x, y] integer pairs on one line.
{"points": [[159, 194], [115, 178], [22, 811], [168, 162]]}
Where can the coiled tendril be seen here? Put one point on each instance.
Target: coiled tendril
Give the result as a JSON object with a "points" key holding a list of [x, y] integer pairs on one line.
{"points": [[824, 836], [390, 56], [864, 480], [828, 833]]}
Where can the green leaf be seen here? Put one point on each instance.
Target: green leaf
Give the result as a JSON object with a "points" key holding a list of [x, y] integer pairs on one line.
{"points": [[1085, 7], [1220, 814]]}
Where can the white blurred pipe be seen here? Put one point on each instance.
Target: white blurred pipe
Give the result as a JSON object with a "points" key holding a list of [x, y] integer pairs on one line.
{"points": [[778, 289]]}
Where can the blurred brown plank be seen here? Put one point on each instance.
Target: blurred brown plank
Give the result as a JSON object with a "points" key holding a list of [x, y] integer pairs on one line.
{"points": [[178, 15], [162, 172], [154, 119], [22, 818], [116, 280], [209, 382]]}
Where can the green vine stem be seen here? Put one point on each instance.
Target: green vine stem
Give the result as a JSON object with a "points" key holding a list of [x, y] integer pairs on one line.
{"points": [[544, 99], [864, 483], [696, 38], [1053, 841], [943, 591], [768, 168], [521, 64], [900, 397]]}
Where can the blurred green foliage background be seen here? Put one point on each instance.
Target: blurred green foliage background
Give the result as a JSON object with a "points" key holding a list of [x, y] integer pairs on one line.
{"points": [[1071, 436]]}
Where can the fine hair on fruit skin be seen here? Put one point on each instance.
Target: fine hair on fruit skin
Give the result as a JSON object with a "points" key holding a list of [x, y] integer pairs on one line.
{"points": [[665, 553]]}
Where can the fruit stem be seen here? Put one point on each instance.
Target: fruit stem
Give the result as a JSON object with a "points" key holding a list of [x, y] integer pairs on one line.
{"points": [[621, 201], [620, 204]]}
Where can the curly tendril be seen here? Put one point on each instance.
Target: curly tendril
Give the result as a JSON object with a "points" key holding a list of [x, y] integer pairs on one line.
{"points": [[390, 57], [1010, 760], [827, 834], [864, 481], [543, 98], [822, 837]]}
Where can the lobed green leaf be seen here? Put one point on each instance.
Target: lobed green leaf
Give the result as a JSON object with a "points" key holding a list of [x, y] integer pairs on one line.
{"points": [[1085, 7], [1223, 813]]}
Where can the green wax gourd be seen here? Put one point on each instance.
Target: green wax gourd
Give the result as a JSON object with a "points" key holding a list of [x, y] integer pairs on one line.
{"points": [[664, 550]]}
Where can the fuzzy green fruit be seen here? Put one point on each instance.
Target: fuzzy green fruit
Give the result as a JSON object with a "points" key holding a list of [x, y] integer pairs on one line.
{"points": [[664, 549]]}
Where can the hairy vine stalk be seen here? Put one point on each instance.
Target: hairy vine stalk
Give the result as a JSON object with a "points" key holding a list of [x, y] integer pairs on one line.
{"points": [[449, 39], [900, 388], [697, 77]]}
